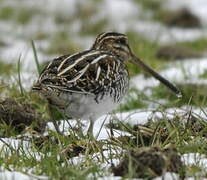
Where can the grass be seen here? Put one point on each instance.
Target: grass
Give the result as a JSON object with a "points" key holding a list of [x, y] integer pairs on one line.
{"points": [[56, 151], [56, 155], [153, 5], [19, 76], [146, 51], [62, 43], [56, 164], [134, 101], [36, 58], [2, 43], [204, 75], [6, 68], [193, 95], [20, 15], [90, 28], [197, 45]]}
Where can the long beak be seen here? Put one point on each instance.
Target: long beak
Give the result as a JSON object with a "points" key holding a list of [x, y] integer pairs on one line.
{"points": [[146, 68]]}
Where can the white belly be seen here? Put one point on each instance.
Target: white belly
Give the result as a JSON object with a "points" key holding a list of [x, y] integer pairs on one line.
{"points": [[86, 107]]}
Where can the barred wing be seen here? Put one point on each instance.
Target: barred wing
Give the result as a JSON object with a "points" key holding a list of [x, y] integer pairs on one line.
{"points": [[87, 72]]}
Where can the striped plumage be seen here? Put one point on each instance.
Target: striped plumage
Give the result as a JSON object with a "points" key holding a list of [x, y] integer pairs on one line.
{"points": [[88, 84]]}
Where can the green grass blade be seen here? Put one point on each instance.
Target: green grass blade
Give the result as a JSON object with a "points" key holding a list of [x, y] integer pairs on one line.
{"points": [[19, 75], [35, 57]]}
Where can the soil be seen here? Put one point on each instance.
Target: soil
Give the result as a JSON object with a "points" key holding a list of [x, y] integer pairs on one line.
{"points": [[18, 116], [149, 162], [73, 150], [182, 18], [44, 141], [171, 52]]}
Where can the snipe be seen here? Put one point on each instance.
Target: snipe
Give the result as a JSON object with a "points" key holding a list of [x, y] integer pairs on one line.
{"points": [[91, 83]]}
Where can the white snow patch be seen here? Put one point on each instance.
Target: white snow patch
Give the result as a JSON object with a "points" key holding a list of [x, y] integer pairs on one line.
{"points": [[187, 69], [168, 176], [8, 145], [131, 117], [195, 159], [183, 71], [134, 117], [15, 175], [140, 82], [119, 10], [155, 31], [13, 143], [110, 178]]}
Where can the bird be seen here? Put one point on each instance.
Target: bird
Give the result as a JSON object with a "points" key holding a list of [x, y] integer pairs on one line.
{"points": [[91, 83]]}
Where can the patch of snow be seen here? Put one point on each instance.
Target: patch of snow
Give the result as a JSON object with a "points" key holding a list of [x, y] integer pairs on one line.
{"points": [[187, 69], [24, 50], [8, 145], [155, 31], [168, 176], [119, 10], [195, 178], [110, 178], [140, 82], [13, 143], [51, 6], [131, 117], [78, 159], [134, 117], [15, 175], [183, 112], [183, 71], [39, 25], [120, 13], [27, 79], [195, 159]]}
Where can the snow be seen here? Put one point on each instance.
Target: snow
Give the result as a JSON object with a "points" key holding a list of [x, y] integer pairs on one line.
{"points": [[110, 178], [8, 146], [127, 20], [188, 69], [168, 176], [157, 32], [123, 16], [134, 117], [195, 159], [119, 13], [15, 175], [13, 143], [100, 131], [185, 71]]}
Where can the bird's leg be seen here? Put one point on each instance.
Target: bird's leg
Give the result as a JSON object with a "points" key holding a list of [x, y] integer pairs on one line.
{"points": [[111, 126], [90, 129], [53, 120]]}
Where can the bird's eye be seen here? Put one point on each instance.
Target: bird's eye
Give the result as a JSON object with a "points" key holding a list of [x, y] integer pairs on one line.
{"points": [[121, 41]]}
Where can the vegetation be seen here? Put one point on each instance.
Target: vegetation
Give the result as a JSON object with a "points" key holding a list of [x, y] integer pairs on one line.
{"points": [[6, 68], [18, 15], [43, 151], [62, 43]]}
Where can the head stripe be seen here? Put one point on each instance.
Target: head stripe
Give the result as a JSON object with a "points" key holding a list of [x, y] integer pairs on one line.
{"points": [[109, 34], [111, 37]]}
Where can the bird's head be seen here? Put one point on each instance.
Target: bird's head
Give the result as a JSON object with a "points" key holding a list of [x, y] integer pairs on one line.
{"points": [[113, 42], [118, 44]]}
